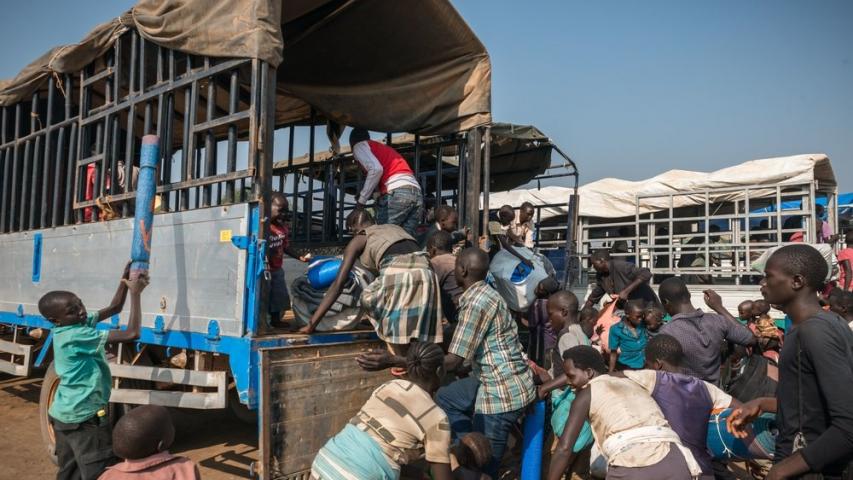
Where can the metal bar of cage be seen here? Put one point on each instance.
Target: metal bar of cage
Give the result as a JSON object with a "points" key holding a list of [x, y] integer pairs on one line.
{"points": [[308, 211], [7, 169], [733, 247]]}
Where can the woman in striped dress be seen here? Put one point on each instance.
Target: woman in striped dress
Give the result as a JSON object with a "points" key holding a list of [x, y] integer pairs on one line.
{"points": [[399, 424]]}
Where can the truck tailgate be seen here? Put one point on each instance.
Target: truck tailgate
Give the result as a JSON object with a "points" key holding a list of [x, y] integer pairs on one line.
{"points": [[308, 394]]}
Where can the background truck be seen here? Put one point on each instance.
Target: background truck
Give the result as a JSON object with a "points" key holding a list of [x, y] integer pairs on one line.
{"points": [[707, 227]]}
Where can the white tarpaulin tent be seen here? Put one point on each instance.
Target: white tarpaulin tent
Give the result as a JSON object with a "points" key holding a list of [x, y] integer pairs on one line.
{"points": [[615, 198]]}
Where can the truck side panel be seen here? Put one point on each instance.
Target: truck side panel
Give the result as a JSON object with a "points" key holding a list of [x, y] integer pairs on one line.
{"points": [[197, 275]]}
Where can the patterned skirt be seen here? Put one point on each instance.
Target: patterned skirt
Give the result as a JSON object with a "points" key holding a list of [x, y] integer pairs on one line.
{"points": [[403, 301]]}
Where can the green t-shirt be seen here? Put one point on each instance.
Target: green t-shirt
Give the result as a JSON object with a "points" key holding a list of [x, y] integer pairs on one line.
{"points": [[84, 376]]}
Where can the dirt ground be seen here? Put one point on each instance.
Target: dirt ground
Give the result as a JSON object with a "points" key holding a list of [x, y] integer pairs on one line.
{"points": [[221, 445]]}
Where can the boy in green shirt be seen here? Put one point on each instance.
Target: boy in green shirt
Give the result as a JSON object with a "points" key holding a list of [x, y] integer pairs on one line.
{"points": [[79, 409]]}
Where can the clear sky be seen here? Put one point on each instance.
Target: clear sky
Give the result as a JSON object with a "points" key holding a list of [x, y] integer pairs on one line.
{"points": [[627, 88]]}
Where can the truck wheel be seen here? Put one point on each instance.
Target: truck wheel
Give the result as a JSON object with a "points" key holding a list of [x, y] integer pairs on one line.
{"points": [[240, 411], [48, 390]]}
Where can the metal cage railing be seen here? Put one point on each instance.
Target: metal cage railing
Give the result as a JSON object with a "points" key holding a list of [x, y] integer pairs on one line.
{"points": [[75, 160], [321, 188]]}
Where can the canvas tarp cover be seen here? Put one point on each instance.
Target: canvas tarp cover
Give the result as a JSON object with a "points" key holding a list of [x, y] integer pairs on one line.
{"points": [[63, 59], [615, 198], [518, 154], [386, 66]]}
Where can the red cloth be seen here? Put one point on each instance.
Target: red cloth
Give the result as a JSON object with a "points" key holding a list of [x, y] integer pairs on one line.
{"points": [[392, 163], [90, 191], [278, 240], [845, 254], [160, 466]]}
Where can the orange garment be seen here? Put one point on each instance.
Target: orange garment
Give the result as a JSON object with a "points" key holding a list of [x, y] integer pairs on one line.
{"points": [[766, 327], [766, 330], [606, 319]]}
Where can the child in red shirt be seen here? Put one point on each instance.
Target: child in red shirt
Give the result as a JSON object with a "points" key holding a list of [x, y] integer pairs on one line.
{"points": [[278, 244]]}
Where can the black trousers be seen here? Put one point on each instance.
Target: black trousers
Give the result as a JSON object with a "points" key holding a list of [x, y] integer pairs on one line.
{"points": [[83, 450]]}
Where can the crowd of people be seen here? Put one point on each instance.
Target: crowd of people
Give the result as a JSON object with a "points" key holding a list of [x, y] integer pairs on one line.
{"points": [[641, 388], [635, 382]]}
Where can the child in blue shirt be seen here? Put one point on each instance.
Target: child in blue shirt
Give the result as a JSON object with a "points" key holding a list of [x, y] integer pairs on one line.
{"points": [[78, 412], [628, 339]]}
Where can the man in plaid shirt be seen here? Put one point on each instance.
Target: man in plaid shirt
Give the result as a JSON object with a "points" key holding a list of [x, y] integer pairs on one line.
{"points": [[492, 399]]}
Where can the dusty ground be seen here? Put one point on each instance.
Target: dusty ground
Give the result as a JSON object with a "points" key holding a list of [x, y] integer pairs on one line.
{"points": [[222, 446]]}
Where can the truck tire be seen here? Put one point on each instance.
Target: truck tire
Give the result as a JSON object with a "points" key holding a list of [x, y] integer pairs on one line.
{"points": [[240, 411], [48, 389]]}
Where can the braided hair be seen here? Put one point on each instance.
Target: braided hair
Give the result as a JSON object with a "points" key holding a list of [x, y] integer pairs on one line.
{"points": [[359, 217], [424, 362]]}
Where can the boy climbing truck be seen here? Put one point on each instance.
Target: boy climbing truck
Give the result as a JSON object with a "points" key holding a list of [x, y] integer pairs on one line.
{"points": [[78, 414], [218, 110]]}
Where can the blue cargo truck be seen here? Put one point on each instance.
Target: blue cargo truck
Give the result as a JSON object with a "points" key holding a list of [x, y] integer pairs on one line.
{"points": [[224, 100]]}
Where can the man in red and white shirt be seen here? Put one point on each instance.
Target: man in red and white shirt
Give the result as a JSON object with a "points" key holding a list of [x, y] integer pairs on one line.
{"points": [[401, 202]]}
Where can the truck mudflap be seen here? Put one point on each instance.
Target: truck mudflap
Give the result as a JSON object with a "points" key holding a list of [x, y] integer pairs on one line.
{"points": [[308, 393]]}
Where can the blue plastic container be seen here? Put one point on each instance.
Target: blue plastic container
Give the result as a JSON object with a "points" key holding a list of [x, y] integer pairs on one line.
{"points": [[322, 271]]}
